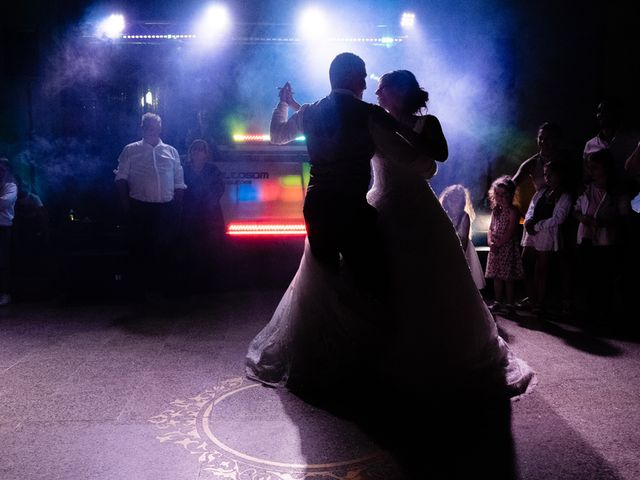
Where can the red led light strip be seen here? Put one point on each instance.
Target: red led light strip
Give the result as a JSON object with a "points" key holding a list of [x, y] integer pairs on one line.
{"points": [[261, 229]]}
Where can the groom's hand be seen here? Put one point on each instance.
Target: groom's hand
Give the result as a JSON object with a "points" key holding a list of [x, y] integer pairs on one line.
{"points": [[286, 96], [284, 93]]}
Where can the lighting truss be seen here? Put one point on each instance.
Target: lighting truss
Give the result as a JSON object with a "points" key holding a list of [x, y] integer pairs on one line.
{"points": [[250, 33]]}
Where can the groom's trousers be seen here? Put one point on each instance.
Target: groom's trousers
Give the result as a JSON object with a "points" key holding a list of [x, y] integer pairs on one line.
{"points": [[342, 227]]}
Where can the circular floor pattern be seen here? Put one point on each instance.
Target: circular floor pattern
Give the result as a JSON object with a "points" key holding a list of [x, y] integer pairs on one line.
{"points": [[242, 430]]}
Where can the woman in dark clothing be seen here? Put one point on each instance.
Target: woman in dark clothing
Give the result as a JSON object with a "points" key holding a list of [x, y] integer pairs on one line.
{"points": [[203, 224]]}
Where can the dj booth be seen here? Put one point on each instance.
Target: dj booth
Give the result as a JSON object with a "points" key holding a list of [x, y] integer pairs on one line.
{"points": [[265, 187]]}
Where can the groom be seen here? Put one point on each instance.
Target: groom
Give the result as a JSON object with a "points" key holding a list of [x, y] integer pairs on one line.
{"points": [[338, 131]]}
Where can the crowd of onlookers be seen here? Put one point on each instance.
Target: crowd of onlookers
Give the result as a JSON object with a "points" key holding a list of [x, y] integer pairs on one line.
{"points": [[24, 228], [172, 232], [574, 243], [173, 214]]}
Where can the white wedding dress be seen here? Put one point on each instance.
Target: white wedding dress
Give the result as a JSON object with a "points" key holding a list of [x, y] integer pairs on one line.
{"points": [[439, 332]]}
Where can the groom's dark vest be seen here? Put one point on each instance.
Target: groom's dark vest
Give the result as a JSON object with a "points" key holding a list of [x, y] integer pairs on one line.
{"points": [[340, 146]]}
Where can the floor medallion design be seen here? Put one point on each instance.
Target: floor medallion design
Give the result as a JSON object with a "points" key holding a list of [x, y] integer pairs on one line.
{"points": [[243, 431]]}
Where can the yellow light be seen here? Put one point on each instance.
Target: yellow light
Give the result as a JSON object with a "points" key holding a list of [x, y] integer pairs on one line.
{"points": [[291, 180]]}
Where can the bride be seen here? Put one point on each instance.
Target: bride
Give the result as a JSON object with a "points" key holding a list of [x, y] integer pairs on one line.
{"points": [[445, 332], [434, 332]]}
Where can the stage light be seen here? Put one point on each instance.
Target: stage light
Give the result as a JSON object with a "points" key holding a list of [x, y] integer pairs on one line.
{"points": [[259, 137], [312, 23], [148, 98], [248, 192], [407, 20], [482, 222], [268, 229], [111, 27], [215, 22], [241, 137], [387, 41]]}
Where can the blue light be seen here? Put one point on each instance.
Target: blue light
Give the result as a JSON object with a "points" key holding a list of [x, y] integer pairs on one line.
{"points": [[247, 193]]}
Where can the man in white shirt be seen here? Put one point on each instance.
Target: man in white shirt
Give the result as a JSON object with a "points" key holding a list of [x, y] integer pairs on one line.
{"points": [[613, 137], [150, 184]]}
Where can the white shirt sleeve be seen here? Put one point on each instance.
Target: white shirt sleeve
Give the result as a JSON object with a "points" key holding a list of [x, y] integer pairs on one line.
{"points": [[8, 194], [283, 130], [178, 172], [532, 206], [581, 204], [124, 165], [560, 214]]}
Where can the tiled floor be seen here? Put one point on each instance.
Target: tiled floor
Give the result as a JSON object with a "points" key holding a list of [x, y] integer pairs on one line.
{"points": [[96, 392]]}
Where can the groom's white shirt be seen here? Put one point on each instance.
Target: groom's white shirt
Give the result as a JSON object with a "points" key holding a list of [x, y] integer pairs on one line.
{"points": [[283, 130]]}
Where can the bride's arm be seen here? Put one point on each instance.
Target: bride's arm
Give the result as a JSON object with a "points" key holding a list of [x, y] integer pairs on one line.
{"points": [[432, 140], [396, 141]]}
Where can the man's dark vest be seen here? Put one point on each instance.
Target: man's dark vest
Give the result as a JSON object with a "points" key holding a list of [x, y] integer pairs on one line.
{"points": [[340, 145]]}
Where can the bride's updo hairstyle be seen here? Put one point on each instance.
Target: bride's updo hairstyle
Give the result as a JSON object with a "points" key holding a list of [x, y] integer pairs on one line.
{"points": [[413, 97]]}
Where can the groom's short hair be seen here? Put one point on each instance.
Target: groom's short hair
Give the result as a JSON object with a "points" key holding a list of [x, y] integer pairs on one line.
{"points": [[344, 68]]}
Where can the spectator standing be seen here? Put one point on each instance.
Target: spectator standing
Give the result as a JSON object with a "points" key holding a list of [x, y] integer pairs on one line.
{"points": [[601, 211], [8, 197], [548, 210], [150, 182], [203, 226]]}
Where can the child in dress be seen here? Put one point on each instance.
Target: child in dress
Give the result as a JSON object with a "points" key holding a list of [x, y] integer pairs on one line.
{"points": [[548, 209], [504, 264], [456, 201]]}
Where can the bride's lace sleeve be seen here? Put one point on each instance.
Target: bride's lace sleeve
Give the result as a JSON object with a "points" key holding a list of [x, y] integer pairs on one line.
{"points": [[392, 146], [389, 143]]}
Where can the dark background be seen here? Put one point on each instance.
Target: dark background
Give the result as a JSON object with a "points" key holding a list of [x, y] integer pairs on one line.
{"points": [[495, 70], [69, 103]]}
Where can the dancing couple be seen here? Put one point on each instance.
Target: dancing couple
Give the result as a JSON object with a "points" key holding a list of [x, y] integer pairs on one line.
{"points": [[383, 284], [383, 299]]}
